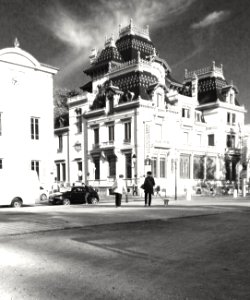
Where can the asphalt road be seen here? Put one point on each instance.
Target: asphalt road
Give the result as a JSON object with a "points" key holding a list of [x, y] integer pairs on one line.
{"points": [[189, 251]]}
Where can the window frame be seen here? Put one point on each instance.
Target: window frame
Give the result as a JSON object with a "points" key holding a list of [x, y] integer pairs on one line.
{"points": [[79, 169], [35, 166], [34, 128], [162, 167], [185, 113], [127, 131], [96, 161], [112, 165], [209, 141], [96, 135], [128, 165], [185, 166], [111, 132], [60, 143], [154, 166]]}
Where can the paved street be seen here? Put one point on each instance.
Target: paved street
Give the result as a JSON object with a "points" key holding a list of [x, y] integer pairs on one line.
{"points": [[45, 217], [188, 250]]}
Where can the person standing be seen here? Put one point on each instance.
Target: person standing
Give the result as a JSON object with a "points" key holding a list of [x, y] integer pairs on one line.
{"points": [[148, 186], [55, 186], [118, 188]]}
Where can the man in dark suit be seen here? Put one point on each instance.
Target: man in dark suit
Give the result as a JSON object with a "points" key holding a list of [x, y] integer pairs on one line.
{"points": [[149, 184]]}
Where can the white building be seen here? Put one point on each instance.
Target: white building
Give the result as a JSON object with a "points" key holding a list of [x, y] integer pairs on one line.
{"points": [[133, 117], [26, 113]]}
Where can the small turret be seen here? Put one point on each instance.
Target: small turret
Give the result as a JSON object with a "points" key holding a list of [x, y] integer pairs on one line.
{"points": [[93, 55]]}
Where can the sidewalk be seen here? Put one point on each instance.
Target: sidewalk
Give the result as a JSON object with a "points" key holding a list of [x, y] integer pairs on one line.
{"points": [[181, 200]]}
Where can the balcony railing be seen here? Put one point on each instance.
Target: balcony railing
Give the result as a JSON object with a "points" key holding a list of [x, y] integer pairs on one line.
{"points": [[103, 145], [233, 151]]}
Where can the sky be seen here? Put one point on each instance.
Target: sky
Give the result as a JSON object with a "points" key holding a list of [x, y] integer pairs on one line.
{"points": [[189, 34]]}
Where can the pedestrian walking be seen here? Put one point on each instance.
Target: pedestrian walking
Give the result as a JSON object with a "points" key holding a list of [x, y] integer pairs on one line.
{"points": [[148, 186], [119, 188]]}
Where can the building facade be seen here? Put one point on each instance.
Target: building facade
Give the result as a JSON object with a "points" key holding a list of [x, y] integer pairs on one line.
{"points": [[133, 116], [26, 113]]}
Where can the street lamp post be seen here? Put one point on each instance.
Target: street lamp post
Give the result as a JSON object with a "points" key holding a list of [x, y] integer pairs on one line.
{"points": [[135, 174], [175, 178]]}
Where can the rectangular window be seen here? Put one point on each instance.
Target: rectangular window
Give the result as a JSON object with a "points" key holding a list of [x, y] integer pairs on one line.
{"points": [[154, 166], [230, 141], [58, 173], [79, 166], [97, 167], [1, 163], [162, 167], [210, 168], [228, 118], [35, 166], [233, 119], [63, 171], [128, 165], [111, 105], [79, 123], [185, 113], [127, 128], [198, 167], [211, 140], [184, 166], [60, 143], [96, 136], [0, 123], [197, 116], [111, 133], [34, 126], [112, 165]]}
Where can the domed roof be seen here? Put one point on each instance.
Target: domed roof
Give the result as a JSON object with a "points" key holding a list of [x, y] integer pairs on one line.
{"points": [[109, 54]]}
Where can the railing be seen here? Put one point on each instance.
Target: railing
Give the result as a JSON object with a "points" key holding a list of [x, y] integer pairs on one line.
{"points": [[131, 28], [203, 71], [233, 150], [130, 63], [106, 144]]}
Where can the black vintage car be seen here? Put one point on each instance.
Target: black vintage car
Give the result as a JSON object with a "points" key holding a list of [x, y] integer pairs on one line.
{"points": [[77, 195]]}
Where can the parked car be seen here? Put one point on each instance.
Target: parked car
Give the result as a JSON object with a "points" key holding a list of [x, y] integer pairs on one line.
{"points": [[77, 195]]}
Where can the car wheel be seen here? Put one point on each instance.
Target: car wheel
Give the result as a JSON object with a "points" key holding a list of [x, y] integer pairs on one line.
{"points": [[16, 203], [66, 202], [93, 200], [43, 197]]}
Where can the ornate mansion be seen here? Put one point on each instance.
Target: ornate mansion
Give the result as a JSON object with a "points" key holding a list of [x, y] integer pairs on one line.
{"points": [[133, 116]]}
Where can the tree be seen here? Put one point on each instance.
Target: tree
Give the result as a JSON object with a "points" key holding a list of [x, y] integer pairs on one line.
{"points": [[61, 109]]}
